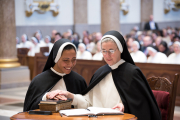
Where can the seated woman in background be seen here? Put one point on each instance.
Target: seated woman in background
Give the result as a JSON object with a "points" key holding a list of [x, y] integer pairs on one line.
{"points": [[174, 58], [57, 75], [118, 84], [163, 47], [35, 48], [137, 55], [24, 42], [48, 42], [155, 56], [98, 55], [82, 53]]}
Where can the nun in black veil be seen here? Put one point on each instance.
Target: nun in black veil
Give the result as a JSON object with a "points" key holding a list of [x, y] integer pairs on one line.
{"points": [[57, 75], [119, 84]]}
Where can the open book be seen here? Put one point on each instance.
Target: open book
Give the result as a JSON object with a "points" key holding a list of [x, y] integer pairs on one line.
{"points": [[90, 111]]}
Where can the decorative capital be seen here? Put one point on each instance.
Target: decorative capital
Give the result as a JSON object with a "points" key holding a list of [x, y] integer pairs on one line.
{"points": [[41, 6]]}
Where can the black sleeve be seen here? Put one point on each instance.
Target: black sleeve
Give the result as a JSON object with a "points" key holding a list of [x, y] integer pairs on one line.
{"points": [[141, 101]]}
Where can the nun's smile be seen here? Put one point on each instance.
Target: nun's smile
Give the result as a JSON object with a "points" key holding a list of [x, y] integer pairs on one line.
{"points": [[67, 61], [112, 54]]}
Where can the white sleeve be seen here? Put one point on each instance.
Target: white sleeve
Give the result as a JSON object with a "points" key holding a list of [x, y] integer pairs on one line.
{"points": [[81, 101], [44, 97]]}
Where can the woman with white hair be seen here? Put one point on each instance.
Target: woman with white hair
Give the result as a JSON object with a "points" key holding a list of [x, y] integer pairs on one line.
{"points": [[82, 53], [39, 38], [174, 58], [24, 42], [137, 55], [155, 56], [48, 42], [34, 49]]}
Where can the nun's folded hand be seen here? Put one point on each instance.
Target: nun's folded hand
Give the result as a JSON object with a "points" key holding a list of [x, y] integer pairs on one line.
{"points": [[119, 106]]}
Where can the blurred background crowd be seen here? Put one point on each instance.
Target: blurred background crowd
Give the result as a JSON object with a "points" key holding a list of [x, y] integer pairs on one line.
{"points": [[152, 45]]}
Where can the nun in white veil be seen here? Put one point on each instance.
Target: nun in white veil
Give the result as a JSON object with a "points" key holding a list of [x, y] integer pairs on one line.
{"points": [[82, 53], [137, 55], [155, 56], [174, 58]]}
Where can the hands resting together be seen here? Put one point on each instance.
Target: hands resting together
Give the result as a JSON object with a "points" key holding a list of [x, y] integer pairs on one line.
{"points": [[63, 95]]}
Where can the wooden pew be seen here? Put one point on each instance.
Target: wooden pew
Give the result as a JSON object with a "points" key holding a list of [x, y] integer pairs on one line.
{"points": [[22, 55], [86, 68]]}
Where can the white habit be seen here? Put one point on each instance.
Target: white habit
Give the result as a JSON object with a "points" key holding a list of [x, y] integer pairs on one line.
{"points": [[60, 85], [139, 56], [158, 58], [173, 58], [104, 94]]}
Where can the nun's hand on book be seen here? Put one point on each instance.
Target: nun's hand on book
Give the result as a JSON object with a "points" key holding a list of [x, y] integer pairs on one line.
{"points": [[66, 94], [61, 97], [119, 106], [53, 94]]}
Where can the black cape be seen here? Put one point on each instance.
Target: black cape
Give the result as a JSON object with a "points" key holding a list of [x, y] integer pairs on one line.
{"points": [[45, 81], [133, 88]]}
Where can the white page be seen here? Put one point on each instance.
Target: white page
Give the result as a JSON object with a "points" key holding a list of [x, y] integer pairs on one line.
{"points": [[75, 112], [98, 110], [90, 111]]}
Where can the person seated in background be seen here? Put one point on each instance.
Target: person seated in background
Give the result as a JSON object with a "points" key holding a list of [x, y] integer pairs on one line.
{"points": [[75, 39], [174, 58], [163, 47], [57, 75], [35, 48], [137, 55], [57, 36], [82, 53], [129, 43], [98, 55], [53, 35], [40, 39], [155, 56], [147, 41], [165, 36], [118, 84], [157, 41], [98, 37], [48, 42], [25, 43], [91, 43]]}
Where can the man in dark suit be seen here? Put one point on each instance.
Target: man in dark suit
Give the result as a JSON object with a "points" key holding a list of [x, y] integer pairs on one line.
{"points": [[151, 25]]}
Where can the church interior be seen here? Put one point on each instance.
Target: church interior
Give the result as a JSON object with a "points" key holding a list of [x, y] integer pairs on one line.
{"points": [[151, 29]]}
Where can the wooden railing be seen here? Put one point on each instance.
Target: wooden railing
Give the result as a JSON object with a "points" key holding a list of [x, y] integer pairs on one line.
{"points": [[86, 68]]}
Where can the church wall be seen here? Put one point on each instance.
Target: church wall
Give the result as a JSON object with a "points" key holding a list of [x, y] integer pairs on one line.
{"points": [[65, 20], [172, 18]]}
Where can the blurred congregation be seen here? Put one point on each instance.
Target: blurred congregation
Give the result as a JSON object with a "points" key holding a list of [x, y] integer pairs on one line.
{"points": [[151, 45]]}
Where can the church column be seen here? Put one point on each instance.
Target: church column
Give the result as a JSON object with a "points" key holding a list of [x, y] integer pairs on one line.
{"points": [[8, 52], [80, 16], [12, 74], [146, 11], [109, 15]]}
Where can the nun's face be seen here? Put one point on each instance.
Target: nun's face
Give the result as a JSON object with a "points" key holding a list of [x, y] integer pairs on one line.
{"points": [[67, 61], [81, 49], [111, 58], [135, 47]]}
